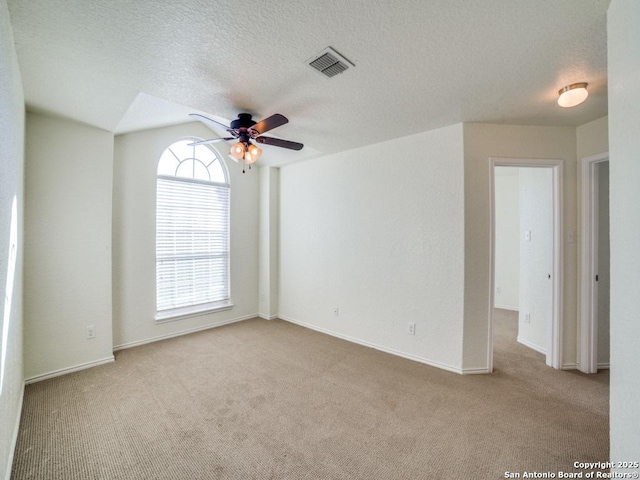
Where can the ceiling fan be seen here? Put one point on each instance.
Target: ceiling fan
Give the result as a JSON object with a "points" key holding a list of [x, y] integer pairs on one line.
{"points": [[244, 129]]}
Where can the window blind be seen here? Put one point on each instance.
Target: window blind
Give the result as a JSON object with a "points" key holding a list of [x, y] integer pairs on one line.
{"points": [[192, 243]]}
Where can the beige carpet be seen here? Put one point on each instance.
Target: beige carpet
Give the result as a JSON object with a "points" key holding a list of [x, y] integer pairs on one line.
{"points": [[271, 400]]}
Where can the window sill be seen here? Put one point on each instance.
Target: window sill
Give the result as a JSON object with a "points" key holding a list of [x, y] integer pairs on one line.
{"points": [[188, 312]]}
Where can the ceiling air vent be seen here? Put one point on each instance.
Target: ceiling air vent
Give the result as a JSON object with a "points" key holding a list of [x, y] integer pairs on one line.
{"points": [[330, 63]]}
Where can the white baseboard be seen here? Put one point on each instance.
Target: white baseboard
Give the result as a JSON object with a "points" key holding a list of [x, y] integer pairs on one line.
{"points": [[506, 307], [64, 371], [475, 371], [264, 317], [137, 343], [574, 366], [14, 437], [532, 346], [364, 343]]}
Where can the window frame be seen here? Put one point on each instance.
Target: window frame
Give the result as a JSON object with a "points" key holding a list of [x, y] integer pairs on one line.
{"points": [[188, 311]]}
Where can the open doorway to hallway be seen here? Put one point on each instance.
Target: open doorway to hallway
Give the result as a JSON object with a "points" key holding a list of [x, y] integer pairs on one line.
{"points": [[594, 282], [526, 253]]}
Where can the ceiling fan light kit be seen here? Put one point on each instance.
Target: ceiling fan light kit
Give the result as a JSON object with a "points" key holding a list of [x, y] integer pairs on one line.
{"points": [[572, 95], [237, 151], [254, 151], [244, 129]]}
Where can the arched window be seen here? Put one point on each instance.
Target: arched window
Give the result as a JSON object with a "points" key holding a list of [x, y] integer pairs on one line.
{"points": [[192, 231]]}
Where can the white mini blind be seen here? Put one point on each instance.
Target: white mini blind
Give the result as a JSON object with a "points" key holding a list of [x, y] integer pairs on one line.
{"points": [[192, 243]]}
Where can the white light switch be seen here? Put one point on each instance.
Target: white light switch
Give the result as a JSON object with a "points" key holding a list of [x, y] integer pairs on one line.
{"points": [[527, 235]]}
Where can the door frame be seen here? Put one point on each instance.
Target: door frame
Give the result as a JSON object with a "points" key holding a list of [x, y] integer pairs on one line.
{"points": [[588, 356], [554, 353]]}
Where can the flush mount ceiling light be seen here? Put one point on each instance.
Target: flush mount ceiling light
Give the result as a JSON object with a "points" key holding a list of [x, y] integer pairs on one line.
{"points": [[573, 95]]}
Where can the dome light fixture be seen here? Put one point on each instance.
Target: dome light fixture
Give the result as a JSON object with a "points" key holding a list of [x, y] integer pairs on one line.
{"points": [[573, 95]]}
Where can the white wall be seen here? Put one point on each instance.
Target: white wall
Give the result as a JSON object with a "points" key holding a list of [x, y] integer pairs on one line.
{"points": [[134, 206], [379, 236], [603, 264], [536, 257], [592, 138], [482, 141], [507, 242], [68, 182], [11, 190], [269, 229], [624, 148]]}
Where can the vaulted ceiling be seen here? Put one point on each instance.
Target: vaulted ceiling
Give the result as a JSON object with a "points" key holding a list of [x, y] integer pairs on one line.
{"points": [[126, 65]]}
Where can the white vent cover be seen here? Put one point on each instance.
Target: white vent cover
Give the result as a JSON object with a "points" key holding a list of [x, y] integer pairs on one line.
{"points": [[330, 63]]}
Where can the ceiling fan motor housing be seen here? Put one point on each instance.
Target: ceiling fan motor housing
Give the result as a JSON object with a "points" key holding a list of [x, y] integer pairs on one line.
{"points": [[244, 129], [243, 121]]}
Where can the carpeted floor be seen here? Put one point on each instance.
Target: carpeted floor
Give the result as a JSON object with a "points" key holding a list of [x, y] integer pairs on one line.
{"points": [[272, 400]]}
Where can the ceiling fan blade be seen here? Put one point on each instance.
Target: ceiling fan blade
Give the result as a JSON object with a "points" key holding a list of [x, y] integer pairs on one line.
{"points": [[209, 122], [280, 143], [269, 123], [206, 142]]}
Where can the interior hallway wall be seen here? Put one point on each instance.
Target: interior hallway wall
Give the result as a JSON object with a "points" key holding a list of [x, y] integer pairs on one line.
{"points": [[593, 138], [507, 239], [536, 257]]}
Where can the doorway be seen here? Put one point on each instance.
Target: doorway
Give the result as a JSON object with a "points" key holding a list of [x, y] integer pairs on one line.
{"points": [[540, 298], [594, 281]]}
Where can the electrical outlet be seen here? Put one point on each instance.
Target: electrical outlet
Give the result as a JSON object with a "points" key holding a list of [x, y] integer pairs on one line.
{"points": [[527, 317], [411, 328], [91, 332], [499, 290], [336, 312]]}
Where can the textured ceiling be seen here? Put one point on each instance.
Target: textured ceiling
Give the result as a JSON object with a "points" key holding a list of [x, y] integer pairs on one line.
{"points": [[125, 65]]}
